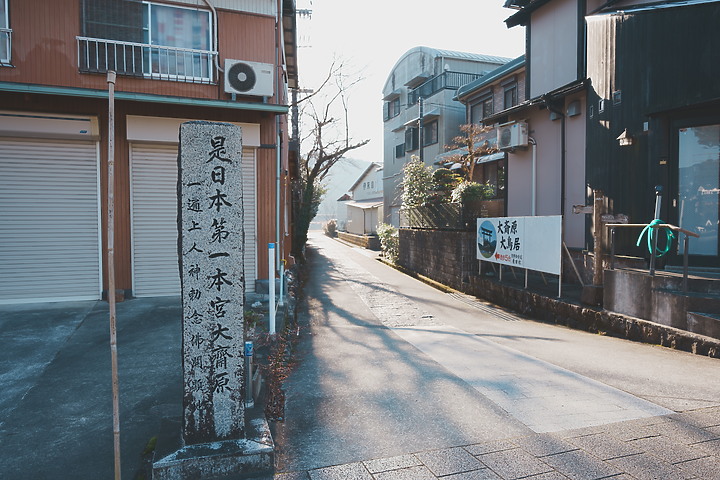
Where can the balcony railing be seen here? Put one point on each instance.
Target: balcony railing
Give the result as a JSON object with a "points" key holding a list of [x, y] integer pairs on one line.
{"points": [[96, 55], [5, 45], [451, 80]]}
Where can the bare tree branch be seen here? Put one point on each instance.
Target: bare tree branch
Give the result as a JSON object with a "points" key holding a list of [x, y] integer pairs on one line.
{"points": [[327, 113]]}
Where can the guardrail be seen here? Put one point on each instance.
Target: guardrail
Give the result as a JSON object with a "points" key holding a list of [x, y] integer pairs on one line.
{"points": [[96, 55], [674, 228]]}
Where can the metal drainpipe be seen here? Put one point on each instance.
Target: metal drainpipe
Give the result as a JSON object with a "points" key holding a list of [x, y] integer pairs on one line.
{"points": [[533, 186], [278, 165], [278, 136], [215, 35]]}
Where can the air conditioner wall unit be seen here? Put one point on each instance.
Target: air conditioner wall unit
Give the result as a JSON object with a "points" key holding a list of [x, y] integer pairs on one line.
{"points": [[249, 78], [512, 135]]}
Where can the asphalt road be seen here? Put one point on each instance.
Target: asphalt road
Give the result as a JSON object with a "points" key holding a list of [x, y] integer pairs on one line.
{"points": [[389, 367]]}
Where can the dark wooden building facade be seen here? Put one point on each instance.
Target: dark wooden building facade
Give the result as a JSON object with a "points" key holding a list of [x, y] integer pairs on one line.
{"points": [[653, 118]]}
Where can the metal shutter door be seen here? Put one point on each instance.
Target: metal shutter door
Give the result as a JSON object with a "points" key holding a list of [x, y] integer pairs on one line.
{"points": [[250, 203], [154, 219], [49, 217]]}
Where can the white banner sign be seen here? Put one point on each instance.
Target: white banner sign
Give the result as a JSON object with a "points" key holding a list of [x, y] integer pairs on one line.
{"points": [[534, 243]]}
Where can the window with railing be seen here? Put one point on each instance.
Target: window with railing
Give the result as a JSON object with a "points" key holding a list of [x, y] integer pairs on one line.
{"points": [[446, 80], [147, 40], [5, 34]]}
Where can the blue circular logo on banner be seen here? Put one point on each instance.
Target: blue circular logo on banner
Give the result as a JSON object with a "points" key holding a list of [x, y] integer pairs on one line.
{"points": [[487, 239]]}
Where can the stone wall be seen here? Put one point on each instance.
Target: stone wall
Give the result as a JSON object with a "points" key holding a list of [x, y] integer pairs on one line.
{"points": [[371, 242], [445, 256]]}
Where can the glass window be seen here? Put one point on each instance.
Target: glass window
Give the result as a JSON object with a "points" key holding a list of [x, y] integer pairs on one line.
{"points": [[178, 27], [400, 150], [4, 33], [182, 28], [430, 133], [699, 186], [411, 139], [511, 98], [476, 113], [493, 174], [3, 14], [481, 109], [392, 108], [146, 39], [487, 107]]}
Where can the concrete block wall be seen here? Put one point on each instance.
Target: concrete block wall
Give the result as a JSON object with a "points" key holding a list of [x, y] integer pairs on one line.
{"points": [[445, 256], [371, 242]]}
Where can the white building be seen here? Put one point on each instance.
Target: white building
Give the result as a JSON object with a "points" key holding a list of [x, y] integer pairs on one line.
{"points": [[365, 208], [419, 113]]}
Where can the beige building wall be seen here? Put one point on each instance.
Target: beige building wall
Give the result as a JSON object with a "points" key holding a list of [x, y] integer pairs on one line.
{"points": [[553, 47]]}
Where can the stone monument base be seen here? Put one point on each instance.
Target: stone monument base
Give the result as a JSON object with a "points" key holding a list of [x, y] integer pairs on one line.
{"points": [[220, 460]]}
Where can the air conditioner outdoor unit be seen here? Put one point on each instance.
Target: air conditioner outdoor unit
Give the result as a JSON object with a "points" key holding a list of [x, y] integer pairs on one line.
{"points": [[248, 78], [512, 135]]}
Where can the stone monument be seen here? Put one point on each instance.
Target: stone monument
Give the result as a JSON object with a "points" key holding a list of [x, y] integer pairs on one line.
{"points": [[210, 250]]}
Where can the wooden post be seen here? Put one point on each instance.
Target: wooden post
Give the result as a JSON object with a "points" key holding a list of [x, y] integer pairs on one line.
{"points": [[111, 267], [598, 211], [593, 294]]}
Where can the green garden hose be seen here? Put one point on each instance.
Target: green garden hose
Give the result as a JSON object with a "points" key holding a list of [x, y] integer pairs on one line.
{"points": [[652, 230]]}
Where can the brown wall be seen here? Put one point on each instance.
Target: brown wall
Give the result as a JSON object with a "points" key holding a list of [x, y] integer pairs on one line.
{"points": [[266, 161], [44, 49], [45, 53]]}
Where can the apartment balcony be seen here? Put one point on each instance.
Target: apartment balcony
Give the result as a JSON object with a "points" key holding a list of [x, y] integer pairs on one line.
{"points": [[446, 80], [96, 55], [5, 46]]}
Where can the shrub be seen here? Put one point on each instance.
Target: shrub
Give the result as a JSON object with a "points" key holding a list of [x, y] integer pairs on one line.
{"points": [[330, 228], [389, 241], [467, 191], [417, 183]]}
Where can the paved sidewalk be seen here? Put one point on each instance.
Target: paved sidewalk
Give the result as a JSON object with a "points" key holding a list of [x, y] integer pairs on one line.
{"points": [[677, 446], [385, 364]]}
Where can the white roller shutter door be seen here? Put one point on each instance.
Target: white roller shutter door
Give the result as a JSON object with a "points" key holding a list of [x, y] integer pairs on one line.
{"points": [[154, 219], [49, 221]]}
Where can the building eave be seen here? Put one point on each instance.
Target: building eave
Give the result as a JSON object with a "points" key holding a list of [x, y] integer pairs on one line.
{"points": [[140, 97], [522, 17]]}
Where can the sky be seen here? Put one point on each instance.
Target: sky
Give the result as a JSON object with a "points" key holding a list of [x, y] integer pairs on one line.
{"points": [[372, 35]]}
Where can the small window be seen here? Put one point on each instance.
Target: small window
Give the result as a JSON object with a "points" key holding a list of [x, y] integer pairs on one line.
{"points": [[411, 139], [481, 109], [493, 174], [487, 107], [430, 133], [511, 96], [5, 34], [392, 108], [400, 150]]}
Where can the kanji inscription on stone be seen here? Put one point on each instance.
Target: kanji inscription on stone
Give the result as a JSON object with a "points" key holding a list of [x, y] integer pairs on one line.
{"points": [[210, 248]]}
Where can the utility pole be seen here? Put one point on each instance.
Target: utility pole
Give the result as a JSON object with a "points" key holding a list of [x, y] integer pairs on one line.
{"points": [[420, 129]]}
